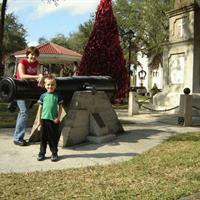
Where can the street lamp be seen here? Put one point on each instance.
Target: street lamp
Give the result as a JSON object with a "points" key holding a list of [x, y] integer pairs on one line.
{"points": [[133, 107], [131, 35]]}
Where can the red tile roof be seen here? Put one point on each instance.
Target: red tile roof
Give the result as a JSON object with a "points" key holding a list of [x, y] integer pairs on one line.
{"points": [[52, 48]]}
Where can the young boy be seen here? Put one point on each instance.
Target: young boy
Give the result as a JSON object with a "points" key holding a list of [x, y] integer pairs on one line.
{"points": [[49, 111]]}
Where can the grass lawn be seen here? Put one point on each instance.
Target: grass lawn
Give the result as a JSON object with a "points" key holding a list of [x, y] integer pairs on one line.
{"points": [[169, 171]]}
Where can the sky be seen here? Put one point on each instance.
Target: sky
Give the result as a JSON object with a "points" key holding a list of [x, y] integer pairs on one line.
{"points": [[42, 19]]}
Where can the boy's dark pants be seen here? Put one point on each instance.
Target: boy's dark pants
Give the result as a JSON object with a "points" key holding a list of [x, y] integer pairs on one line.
{"points": [[49, 134]]}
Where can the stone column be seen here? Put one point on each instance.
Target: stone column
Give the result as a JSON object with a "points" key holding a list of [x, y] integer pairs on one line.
{"points": [[133, 107], [185, 110]]}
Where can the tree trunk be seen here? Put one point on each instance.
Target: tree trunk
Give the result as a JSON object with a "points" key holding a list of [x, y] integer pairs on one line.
{"points": [[3, 12]]}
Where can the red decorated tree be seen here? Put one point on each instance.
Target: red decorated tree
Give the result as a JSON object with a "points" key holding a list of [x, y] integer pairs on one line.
{"points": [[103, 54]]}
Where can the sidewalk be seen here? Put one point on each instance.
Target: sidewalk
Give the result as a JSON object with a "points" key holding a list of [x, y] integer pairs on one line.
{"points": [[142, 132]]}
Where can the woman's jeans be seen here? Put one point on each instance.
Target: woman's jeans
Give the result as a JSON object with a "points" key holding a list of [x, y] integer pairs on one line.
{"points": [[21, 122]]}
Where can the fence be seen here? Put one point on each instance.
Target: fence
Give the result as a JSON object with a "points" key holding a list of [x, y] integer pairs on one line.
{"points": [[185, 108]]}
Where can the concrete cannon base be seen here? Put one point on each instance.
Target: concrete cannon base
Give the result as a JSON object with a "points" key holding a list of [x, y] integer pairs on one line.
{"points": [[90, 117]]}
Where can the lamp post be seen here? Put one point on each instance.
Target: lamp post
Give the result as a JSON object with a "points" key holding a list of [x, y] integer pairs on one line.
{"points": [[133, 107], [130, 34]]}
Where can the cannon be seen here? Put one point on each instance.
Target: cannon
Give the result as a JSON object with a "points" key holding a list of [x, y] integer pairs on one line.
{"points": [[13, 89]]}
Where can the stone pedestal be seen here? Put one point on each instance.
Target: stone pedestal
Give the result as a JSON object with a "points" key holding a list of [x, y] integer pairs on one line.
{"points": [[99, 132], [133, 107], [185, 110], [90, 117]]}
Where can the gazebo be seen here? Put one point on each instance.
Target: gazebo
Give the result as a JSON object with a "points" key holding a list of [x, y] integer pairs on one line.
{"points": [[53, 57]]}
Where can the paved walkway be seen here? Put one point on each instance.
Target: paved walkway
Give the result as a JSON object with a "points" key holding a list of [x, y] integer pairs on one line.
{"points": [[142, 132]]}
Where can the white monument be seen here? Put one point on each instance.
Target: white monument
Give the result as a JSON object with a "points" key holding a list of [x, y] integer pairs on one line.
{"points": [[181, 58]]}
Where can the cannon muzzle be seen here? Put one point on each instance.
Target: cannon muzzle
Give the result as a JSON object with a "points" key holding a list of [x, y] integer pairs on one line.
{"points": [[13, 89]]}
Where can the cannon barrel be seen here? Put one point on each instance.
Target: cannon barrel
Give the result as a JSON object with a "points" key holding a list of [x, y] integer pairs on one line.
{"points": [[12, 89]]}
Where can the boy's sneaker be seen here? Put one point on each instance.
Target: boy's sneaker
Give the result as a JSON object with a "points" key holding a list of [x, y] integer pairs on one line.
{"points": [[40, 157], [54, 157]]}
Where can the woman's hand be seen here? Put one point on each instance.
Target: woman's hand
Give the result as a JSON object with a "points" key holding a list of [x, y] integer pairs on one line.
{"points": [[40, 77], [40, 80]]}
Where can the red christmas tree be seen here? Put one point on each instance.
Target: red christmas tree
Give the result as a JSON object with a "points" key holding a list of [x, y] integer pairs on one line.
{"points": [[103, 54]]}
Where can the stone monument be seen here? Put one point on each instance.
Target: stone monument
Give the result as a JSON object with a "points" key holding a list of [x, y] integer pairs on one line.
{"points": [[90, 117], [181, 57]]}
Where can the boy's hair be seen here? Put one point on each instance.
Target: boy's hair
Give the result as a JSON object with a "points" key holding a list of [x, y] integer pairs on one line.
{"points": [[32, 50], [50, 77]]}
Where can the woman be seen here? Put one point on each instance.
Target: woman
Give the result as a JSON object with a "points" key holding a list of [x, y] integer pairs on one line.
{"points": [[28, 69]]}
